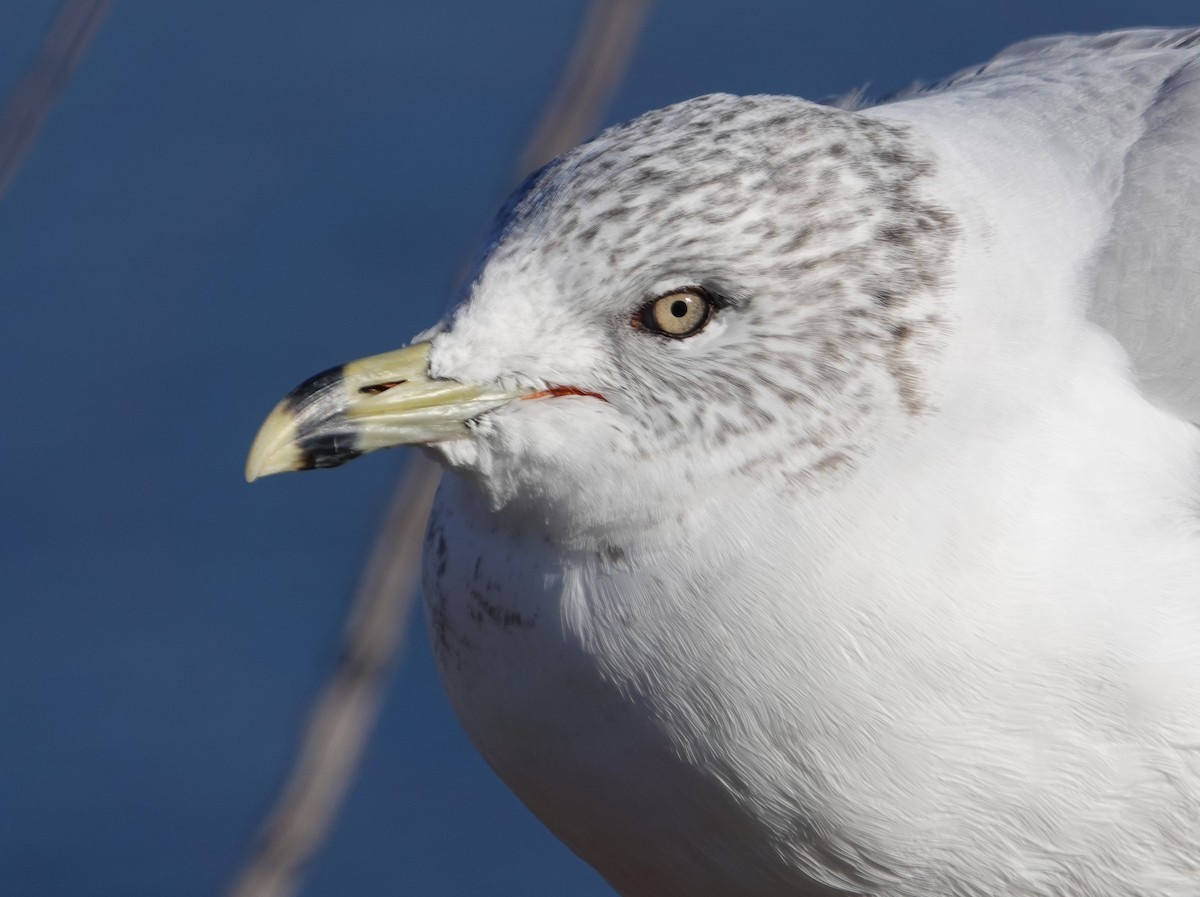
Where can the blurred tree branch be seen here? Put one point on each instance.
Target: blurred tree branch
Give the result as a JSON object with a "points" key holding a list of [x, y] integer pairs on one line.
{"points": [[46, 79], [345, 710], [592, 75]]}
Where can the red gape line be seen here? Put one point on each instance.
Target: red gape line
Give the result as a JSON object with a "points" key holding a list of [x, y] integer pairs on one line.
{"points": [[555, 391]]}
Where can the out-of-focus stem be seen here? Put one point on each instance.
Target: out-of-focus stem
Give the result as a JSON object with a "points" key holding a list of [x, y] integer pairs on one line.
{"points": [[346, 708], [45, 80]]}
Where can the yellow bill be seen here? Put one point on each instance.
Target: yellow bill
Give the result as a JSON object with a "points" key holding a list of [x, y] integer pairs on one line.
{"points": [[377, 402]]}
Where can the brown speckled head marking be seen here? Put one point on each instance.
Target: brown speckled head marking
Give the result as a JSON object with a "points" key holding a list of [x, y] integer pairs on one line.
{"points": [[812, 226]]}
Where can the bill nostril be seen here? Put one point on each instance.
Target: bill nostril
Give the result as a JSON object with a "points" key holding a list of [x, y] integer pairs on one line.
{"points": [[376, 388]]}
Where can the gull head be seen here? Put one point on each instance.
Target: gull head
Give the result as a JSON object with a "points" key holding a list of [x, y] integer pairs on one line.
{"points": [[724, 290]]}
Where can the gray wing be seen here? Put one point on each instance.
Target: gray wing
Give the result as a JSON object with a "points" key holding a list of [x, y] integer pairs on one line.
{"points": [[1146, 288]]}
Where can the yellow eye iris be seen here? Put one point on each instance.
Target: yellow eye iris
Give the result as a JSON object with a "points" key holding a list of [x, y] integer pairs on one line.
{"points": [[677, 314]]}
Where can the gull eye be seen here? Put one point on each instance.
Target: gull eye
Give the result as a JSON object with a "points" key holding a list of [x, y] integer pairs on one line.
{"points": [[677, 314]]}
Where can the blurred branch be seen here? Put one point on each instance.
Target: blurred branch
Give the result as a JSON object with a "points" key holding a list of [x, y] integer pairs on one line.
{"points": [[594, 71], [345, 710], [47, 77]]}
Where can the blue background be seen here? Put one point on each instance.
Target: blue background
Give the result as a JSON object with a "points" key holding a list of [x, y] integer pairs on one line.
{"points": [[232, 195]]}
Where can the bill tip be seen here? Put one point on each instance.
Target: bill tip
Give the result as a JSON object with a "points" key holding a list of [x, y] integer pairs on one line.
{"points": [[274, 449]]}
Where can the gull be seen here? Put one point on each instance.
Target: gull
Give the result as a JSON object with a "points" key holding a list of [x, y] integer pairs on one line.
{"points": [[822, 515]]}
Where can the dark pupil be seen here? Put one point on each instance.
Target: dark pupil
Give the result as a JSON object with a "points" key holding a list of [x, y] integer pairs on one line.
{"points": [[679, 308]]}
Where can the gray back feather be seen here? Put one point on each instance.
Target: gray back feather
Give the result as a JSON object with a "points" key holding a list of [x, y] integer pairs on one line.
{"points": [[1146, 278]]}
